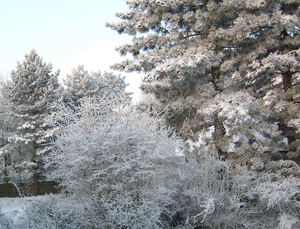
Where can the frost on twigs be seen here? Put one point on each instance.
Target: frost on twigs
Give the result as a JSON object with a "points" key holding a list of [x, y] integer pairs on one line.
{"points": [[120, 168], [228, 194], [115, 161]]}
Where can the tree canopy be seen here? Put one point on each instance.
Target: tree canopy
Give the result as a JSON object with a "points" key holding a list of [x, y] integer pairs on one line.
{"points": [[196, 54], [80, 84]]}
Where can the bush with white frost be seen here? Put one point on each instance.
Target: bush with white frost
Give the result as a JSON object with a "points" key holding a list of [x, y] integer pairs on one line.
{"points": [[119, 168], [229, 194], [115, 163]]}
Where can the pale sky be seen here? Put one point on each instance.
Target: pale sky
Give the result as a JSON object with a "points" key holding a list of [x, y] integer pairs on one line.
{"points": [[64, 32]]}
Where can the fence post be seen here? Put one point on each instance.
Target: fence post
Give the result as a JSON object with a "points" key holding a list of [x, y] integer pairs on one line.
{"points": [[36, 184]]}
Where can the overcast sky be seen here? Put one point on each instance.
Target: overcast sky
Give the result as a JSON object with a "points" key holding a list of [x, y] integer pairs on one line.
{"points": [[64, 32]]}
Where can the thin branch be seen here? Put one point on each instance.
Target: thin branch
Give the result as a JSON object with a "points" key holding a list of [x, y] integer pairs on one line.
{"points": [[192, 35]]}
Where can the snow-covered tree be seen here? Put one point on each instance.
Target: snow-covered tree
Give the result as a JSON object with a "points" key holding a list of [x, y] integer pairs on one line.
{"points": [[5, 132], [282, 95], [195, 51], [29, 94], [226, 75], [80, 84]]}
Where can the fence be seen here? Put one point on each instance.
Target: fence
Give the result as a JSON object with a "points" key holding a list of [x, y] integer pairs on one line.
{"points": [[28, 189]]}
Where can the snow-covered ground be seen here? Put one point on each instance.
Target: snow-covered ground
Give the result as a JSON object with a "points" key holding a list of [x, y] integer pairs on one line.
{"points": [[13, 207]]}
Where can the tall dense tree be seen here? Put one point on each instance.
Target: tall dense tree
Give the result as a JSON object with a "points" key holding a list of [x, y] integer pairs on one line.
{"points": [[5, 132], [198, 53], [80, 84], [226, 73], [29, 93]]}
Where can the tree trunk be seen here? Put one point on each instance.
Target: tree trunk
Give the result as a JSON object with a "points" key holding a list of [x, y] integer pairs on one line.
{"points": [[218, 134], [287, 80], [289, 132], [216, 77], [36, 175]]}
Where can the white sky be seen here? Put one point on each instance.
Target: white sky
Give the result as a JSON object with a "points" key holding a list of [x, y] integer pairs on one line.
{"points": [[64, 32]]}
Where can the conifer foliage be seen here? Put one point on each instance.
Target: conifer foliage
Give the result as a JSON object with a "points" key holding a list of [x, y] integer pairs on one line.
{"points": [[32, 89], [80, 83], [195, 51]]}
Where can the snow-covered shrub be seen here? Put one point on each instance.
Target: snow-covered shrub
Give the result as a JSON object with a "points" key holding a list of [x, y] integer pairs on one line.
{"points": [[119, 168], [52, 212], [5, 222], [113, 162], [211, 193], [39, 212], [229, 194]]}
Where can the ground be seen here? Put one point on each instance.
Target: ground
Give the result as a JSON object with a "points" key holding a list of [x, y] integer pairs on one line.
{"points": [[13, 207]]}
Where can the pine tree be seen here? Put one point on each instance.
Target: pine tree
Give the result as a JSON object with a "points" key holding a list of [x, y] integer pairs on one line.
{"points": [[29, 94], [226, 73], [80, 84], [196, 54], [5, 128]]}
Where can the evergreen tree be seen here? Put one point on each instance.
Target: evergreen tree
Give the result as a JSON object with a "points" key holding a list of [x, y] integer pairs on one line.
{"points": [[5, 128], [226, 75], [80, 84], [200, 54], [29, 94]]}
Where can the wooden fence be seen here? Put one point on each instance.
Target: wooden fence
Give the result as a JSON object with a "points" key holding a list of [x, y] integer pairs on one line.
{"points": [[28, 189]]}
